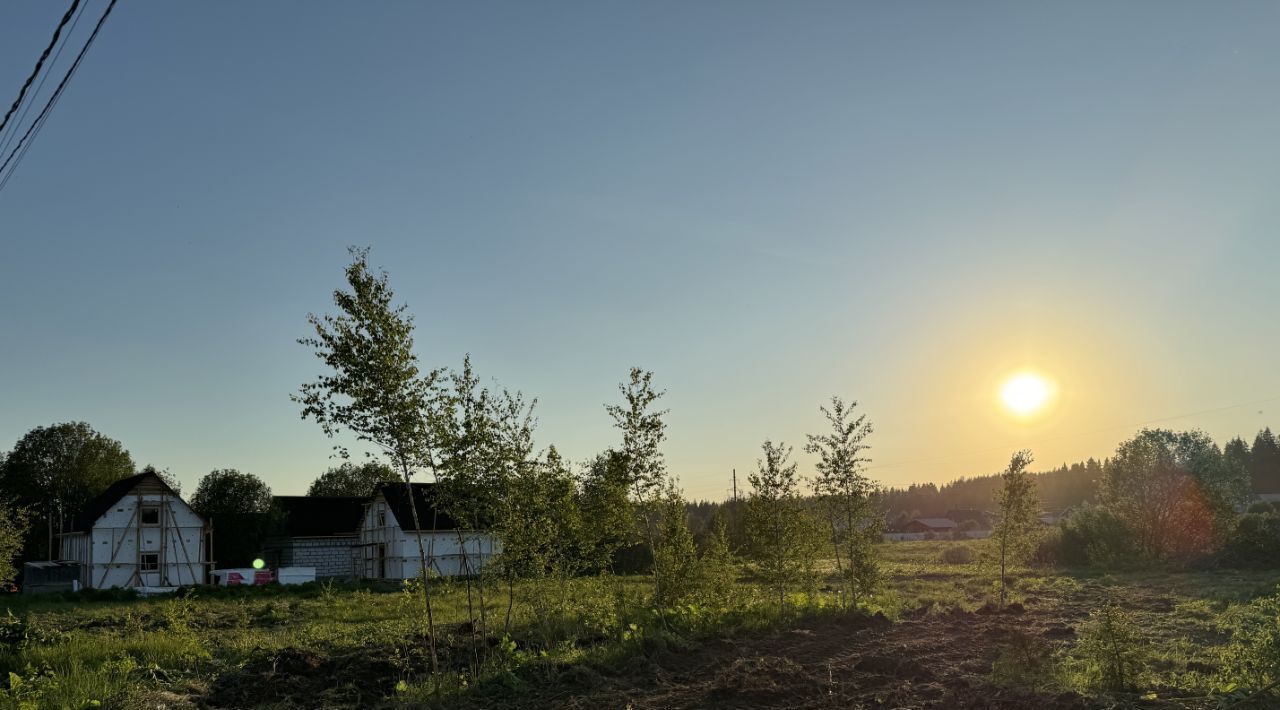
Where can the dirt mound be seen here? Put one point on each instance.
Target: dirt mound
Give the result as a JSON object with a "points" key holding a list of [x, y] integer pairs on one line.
{"points": [[757, 680], [306, 678]]}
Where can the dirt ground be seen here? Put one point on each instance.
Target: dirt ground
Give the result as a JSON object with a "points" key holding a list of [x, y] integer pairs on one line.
{"points": [[939, 660]]}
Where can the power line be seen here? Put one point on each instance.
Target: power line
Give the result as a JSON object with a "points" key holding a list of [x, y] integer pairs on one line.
{"points": [[26, 107], [940, 459], [35, 126], [66, 17]]}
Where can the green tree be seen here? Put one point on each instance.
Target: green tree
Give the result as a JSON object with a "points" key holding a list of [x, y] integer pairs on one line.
{"points": [[53, 471], [846, 495], [13, 532], [783, 537], [349, 479], [374, 388], [1264, 463], [719, 564], [1174, 491], [1014, 535], [643, 432], [675, 557], [226, 491], [1236, 453], [607, 514]]}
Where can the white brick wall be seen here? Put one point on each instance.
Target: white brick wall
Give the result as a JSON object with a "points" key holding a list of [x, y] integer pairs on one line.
{"points": [[330, 556]]}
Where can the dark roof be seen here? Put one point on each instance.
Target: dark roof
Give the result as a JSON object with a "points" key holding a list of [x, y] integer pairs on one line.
{"points": [[936, 523], [424, 494], [98, 507], [319, 516]]}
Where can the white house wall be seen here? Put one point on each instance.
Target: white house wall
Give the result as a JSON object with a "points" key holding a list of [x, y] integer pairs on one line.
{"points": [[118, 541], [385, 551]]}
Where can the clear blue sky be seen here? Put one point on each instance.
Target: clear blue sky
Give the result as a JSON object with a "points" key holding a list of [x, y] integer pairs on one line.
{"points": [[764, 203]]}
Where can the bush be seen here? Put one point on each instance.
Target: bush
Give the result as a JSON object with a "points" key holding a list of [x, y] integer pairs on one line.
{"points": [[1252, 660], [1111, 654], [1253, 542], [1095, 536], [1048, 552], [957, 555], [1262, 507]]}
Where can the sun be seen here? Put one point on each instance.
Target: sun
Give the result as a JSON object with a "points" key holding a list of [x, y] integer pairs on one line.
{"points": [[1026, 393]]}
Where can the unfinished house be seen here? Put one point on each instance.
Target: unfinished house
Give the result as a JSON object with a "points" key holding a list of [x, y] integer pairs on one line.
{"points": [[315, 531], [388, 547], [138, 533]]}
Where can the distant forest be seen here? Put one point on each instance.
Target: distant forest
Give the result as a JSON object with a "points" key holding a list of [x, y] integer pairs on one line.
{"points": [[1058, 489]]}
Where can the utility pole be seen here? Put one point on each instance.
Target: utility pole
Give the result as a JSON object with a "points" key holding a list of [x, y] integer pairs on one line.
{"points": [[735, 486]]}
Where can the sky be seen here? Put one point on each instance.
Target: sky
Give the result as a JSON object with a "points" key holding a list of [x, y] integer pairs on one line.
{"points": [[766, 204]]}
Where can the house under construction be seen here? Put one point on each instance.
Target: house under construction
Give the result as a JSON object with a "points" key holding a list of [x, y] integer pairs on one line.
{"points": [[138, 533]]}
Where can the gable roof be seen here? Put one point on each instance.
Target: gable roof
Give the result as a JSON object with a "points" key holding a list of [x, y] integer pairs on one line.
{"points": [[424, 495], [936, 522], [319, 516], [96, 508]]}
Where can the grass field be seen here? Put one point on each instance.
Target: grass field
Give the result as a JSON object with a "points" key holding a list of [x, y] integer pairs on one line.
{"points": [[931, 635]]}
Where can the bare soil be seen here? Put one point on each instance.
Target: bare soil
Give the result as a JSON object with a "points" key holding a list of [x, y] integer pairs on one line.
{"points": [[928, 660]]}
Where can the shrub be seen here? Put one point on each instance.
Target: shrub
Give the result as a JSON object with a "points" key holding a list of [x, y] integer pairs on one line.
{"points": [[957, 555], [1094, 535], [1048, 552], [1253, 542], [1262, 507], [1027, 662], [1111, 654], [1252, 659]]}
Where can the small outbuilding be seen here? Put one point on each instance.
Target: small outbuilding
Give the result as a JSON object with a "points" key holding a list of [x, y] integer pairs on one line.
{"points": [[388, 545], [51, 576], [138, 533], [316, 531]]}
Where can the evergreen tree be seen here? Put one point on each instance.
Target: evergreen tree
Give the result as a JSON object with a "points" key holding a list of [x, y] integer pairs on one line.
{"points": [[1264, 463]]}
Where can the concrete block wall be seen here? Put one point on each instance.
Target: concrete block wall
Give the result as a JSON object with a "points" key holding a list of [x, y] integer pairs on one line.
{"points": [[330, 556]]}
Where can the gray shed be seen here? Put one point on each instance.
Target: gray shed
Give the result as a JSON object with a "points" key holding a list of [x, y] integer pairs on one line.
{"points": [[53, 576]]}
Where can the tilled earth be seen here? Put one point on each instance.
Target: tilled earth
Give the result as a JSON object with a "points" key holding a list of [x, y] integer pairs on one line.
{"points": [[940, 660], [928, 660]]}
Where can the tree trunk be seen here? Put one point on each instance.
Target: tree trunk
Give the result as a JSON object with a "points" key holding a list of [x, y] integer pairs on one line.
{"points": [[835, 542], [422, 559], [1003, 543]]}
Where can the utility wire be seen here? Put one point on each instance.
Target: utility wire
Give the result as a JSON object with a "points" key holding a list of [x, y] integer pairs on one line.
{"points": [[26, 107], [53, 99], [66, 17]]}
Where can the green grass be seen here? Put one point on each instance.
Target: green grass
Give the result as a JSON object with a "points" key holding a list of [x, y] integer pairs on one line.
{"points": [[117, 652]]}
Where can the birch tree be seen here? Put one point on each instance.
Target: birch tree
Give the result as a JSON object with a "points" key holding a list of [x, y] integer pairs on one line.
{"points": [[1013, 535], [782, 536], [643, 432], [374, 389], [845, 494]]}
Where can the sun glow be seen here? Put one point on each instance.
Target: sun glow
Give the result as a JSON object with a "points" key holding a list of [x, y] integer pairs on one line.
{"points": [[1026, 393]]}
